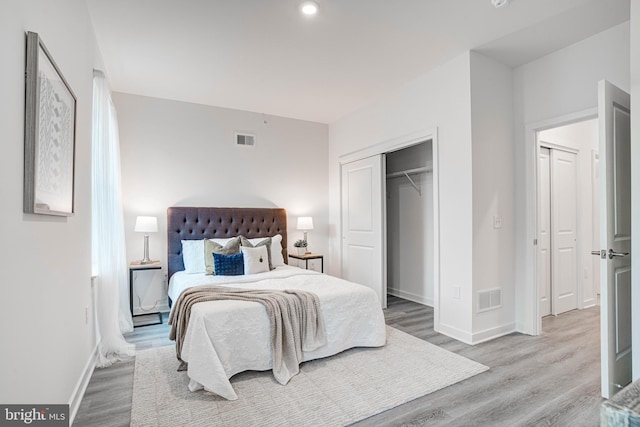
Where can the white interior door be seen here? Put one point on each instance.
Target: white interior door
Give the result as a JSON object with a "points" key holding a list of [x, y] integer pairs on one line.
{"points": [[564, 224], [362, 224], [615, 237], [544, 231]]}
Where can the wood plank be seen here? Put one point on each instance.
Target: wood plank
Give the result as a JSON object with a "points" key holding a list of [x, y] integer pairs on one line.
{"points": [[552, 379]]}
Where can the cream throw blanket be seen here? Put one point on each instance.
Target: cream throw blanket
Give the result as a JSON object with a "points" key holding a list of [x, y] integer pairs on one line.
{"points": [[296, 321]]}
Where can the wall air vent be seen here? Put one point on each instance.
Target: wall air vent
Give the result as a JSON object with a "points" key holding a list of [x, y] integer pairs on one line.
{"points": [[489, 299], [245, 139]]}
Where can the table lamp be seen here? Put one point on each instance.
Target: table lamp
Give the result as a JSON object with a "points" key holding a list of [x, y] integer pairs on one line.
{"points": [[305, 223], [146, 225]]}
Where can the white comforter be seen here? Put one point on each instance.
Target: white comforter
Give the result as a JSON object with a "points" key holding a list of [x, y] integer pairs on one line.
{"points": [[227, 337]]}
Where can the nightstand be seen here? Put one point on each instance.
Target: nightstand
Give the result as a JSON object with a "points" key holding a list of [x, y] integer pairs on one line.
{"points": [[148, 281], [307, 257]]}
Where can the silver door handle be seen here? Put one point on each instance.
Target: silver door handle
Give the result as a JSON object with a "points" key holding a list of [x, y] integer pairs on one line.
{"points": [[602, 254], [613, 254]]}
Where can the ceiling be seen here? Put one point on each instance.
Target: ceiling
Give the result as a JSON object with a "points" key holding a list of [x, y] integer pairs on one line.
{"points": [[264, 56]]}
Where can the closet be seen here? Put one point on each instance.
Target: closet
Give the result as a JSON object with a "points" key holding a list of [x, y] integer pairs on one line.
{"points": [[409, 209]]}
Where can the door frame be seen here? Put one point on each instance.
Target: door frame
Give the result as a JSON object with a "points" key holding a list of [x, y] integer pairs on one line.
{"points": [[544, 216], [395, 144], [532, 322]]}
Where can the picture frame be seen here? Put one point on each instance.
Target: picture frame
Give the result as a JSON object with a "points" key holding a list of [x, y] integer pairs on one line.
{"points": [[49, 134]]}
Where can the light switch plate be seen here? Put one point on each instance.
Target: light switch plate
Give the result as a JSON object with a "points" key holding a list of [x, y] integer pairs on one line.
{"points": [[497, 221]]}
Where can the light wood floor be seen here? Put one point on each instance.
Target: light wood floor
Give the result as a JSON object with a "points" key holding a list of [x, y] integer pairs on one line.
{"points": [[549, 380]]}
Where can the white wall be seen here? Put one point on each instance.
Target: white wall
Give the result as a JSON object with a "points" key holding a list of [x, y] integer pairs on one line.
{"points": [[181, 154], [582, 136], [558, 84], [439, 99], [492, 133], [635, 179], [46, 267]]}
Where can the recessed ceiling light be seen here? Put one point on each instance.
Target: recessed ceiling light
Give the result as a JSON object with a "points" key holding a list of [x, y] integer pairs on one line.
{"points": [[309, 7], [499, 3]]}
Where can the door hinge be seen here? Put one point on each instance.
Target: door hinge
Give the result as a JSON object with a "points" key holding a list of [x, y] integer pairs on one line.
{"points": [[535, 242]]}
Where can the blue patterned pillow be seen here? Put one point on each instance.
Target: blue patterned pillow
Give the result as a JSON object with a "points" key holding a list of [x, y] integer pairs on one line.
{"points": [[228, 265]]}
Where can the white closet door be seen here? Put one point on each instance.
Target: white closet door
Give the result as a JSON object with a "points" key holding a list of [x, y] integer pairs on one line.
{"points": [[564, 221], [362, 224], [544, 231]]}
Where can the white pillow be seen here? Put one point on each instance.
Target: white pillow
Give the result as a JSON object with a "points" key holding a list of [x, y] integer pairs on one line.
{"points": [[193, 256], [255, 259], [276, 248]]}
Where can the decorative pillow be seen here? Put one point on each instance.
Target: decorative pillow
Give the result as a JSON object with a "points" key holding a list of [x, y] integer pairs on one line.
{"points": [[258, 242], [256, 260], [222, 242], [276, 249], [210, 247], [228, 265], [192, 251]]}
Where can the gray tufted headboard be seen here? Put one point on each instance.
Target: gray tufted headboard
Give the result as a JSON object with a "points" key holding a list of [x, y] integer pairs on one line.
{"points": [[194, 223]]}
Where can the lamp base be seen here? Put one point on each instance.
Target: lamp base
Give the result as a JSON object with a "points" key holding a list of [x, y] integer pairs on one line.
{"points": [[306, 248], [145, 259]]}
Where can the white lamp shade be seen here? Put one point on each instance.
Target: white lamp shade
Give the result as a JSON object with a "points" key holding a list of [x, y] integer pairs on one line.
{"points": [[146, 224], [305, 223]]}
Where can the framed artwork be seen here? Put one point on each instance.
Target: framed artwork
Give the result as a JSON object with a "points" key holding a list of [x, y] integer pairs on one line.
{"points": [[49, 134]]}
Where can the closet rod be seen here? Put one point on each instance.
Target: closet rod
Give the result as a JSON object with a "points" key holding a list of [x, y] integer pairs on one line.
{"points": [[409, 171]]}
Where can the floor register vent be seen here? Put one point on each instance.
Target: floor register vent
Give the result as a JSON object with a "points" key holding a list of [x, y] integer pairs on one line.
{"points": [[489, 299], [245, 139]]}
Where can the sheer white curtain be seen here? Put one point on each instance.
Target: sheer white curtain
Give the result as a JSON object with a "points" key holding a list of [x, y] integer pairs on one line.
{"points": [[108, 238]]}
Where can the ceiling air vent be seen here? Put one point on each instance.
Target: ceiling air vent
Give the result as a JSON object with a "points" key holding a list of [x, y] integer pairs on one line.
{"points": [[245, 139]]}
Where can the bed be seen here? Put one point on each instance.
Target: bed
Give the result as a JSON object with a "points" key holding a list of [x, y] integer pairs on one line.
{"points": [[224, 338]]}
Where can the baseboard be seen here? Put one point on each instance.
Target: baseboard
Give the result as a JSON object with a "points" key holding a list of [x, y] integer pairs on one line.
{"points": [[455, 333], [410, 296], [83, 382], [476, 337], [493, 333]]}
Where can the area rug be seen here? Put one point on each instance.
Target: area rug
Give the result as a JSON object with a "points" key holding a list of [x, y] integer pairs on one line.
{"points": [[335, 391]]}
